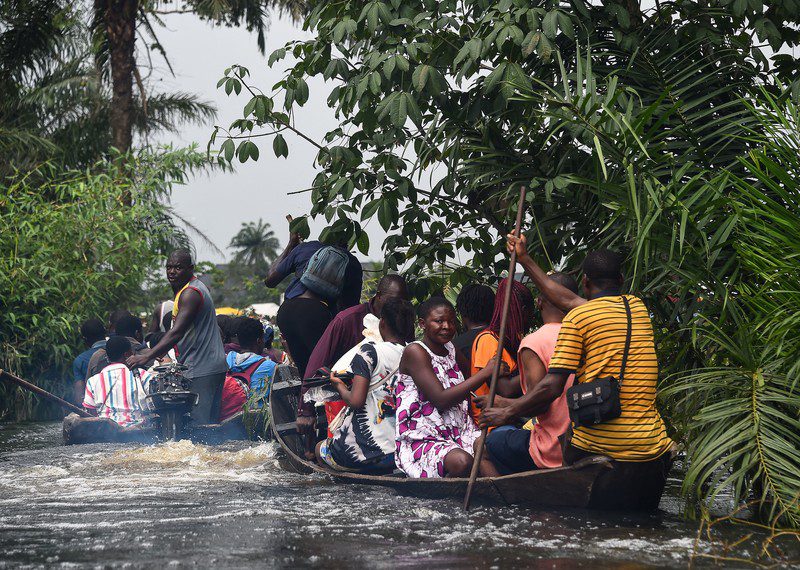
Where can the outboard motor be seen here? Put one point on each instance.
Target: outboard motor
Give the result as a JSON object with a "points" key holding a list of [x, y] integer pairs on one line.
{"points": [[170, 398]]}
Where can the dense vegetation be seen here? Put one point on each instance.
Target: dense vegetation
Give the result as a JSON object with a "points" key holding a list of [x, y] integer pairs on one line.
{"points": [[84, 198], [669, 133], [70, 251]]}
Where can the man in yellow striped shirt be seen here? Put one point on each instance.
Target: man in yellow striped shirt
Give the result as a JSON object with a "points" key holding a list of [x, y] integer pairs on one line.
{"points": [[590, 345]]}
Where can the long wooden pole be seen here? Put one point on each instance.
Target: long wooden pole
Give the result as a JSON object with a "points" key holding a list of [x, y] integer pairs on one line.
{"points": [[512, 266], [43, 393]]}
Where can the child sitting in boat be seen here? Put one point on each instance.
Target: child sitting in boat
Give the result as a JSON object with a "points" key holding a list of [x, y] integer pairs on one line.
{"points": [[435, 433], [249, 373], [363, 433], [117, 392]]}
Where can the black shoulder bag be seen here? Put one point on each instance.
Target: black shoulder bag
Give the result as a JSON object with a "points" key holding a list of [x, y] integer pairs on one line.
{"points": [[595, 402]]}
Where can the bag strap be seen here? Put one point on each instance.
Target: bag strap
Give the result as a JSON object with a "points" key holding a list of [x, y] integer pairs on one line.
{"points": [[249, 371], [386, 380], [627, 339]]}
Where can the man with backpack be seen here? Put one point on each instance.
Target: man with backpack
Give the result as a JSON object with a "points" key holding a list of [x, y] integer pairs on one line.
{"points": [[249, 373], [338, 276], [326, 279]]}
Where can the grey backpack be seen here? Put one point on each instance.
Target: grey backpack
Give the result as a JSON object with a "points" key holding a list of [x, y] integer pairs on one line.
{"points": [[324, 274]]}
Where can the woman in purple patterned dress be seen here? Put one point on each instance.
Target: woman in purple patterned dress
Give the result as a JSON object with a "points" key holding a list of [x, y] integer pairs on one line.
{"points": [[435, 433]]}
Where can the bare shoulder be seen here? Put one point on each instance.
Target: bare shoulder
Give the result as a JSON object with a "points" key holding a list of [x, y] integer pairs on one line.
{"points": [[413, 356]]}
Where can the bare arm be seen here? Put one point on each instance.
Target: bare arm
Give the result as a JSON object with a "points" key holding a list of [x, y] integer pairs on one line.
{"points": [[534, 368], [534, 402], [189, 305], [417, 363], [356, 396], [556, 293], [508, 386], [274, 277], [534, 372]]}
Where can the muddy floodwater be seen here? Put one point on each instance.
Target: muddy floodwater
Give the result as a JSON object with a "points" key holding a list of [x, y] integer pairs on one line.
{"points": [[182, 504]]}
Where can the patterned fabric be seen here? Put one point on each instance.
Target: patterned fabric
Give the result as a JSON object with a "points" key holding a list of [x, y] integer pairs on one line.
{"points": [[424, 434], [366, 436], [118, 394]]}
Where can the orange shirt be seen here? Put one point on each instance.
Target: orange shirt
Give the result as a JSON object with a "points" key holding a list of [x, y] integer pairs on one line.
{"points": [[484, 348]]}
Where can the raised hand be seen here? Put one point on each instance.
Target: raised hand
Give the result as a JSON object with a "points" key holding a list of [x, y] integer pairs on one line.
{"points": [[518, 244]]}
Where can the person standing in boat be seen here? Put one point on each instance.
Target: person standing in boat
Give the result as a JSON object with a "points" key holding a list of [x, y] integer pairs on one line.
{"points": [[117, 392], [512, 449], [435, 433], [195, 336], [309, 304], [474, 304], [344, 332], [363, 433], [590, 345]]}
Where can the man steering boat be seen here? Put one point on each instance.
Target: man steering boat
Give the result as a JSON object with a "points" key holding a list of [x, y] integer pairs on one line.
{"points": [[195, 337]]}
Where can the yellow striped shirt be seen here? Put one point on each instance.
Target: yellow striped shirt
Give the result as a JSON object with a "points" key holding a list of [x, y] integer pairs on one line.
{"points": [[590, 344]]}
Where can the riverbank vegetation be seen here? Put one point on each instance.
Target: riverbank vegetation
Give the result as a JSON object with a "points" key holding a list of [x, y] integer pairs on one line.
{"points": [[668, 133], [84, 193], [69, 250]]}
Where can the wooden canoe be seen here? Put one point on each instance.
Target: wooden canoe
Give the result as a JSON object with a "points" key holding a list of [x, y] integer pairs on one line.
{"points": [[596, 482], [78, 430]]}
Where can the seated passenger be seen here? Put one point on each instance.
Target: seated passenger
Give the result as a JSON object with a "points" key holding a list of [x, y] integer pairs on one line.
{"points": [[94, 335], [591, 344], [512, 449], [363, 433], [435, 433], [474, 305], [128, 326], [484, 347], [249, 373], [116, 392]]}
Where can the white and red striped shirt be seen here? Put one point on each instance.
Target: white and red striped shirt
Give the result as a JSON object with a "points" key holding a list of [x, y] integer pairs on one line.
{"points": [[117, 393]]}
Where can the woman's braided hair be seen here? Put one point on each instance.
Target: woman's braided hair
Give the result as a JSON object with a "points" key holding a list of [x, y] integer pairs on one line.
{"points": [[520, 307]]}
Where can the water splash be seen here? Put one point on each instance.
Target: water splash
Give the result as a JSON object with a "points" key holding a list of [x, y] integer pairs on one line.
{"points": [[181, 503]]}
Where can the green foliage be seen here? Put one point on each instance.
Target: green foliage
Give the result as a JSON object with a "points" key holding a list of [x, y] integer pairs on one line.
{"points": [[447, 107], [741, 406], [70, 251], [55, 103], [239, 286], [56, 72]]}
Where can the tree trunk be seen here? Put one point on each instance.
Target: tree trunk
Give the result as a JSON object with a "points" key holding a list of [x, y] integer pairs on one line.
{"points": [[119, 17]]}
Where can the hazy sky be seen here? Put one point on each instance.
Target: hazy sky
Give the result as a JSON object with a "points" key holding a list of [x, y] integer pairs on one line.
{"points": [[218, 203]]}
